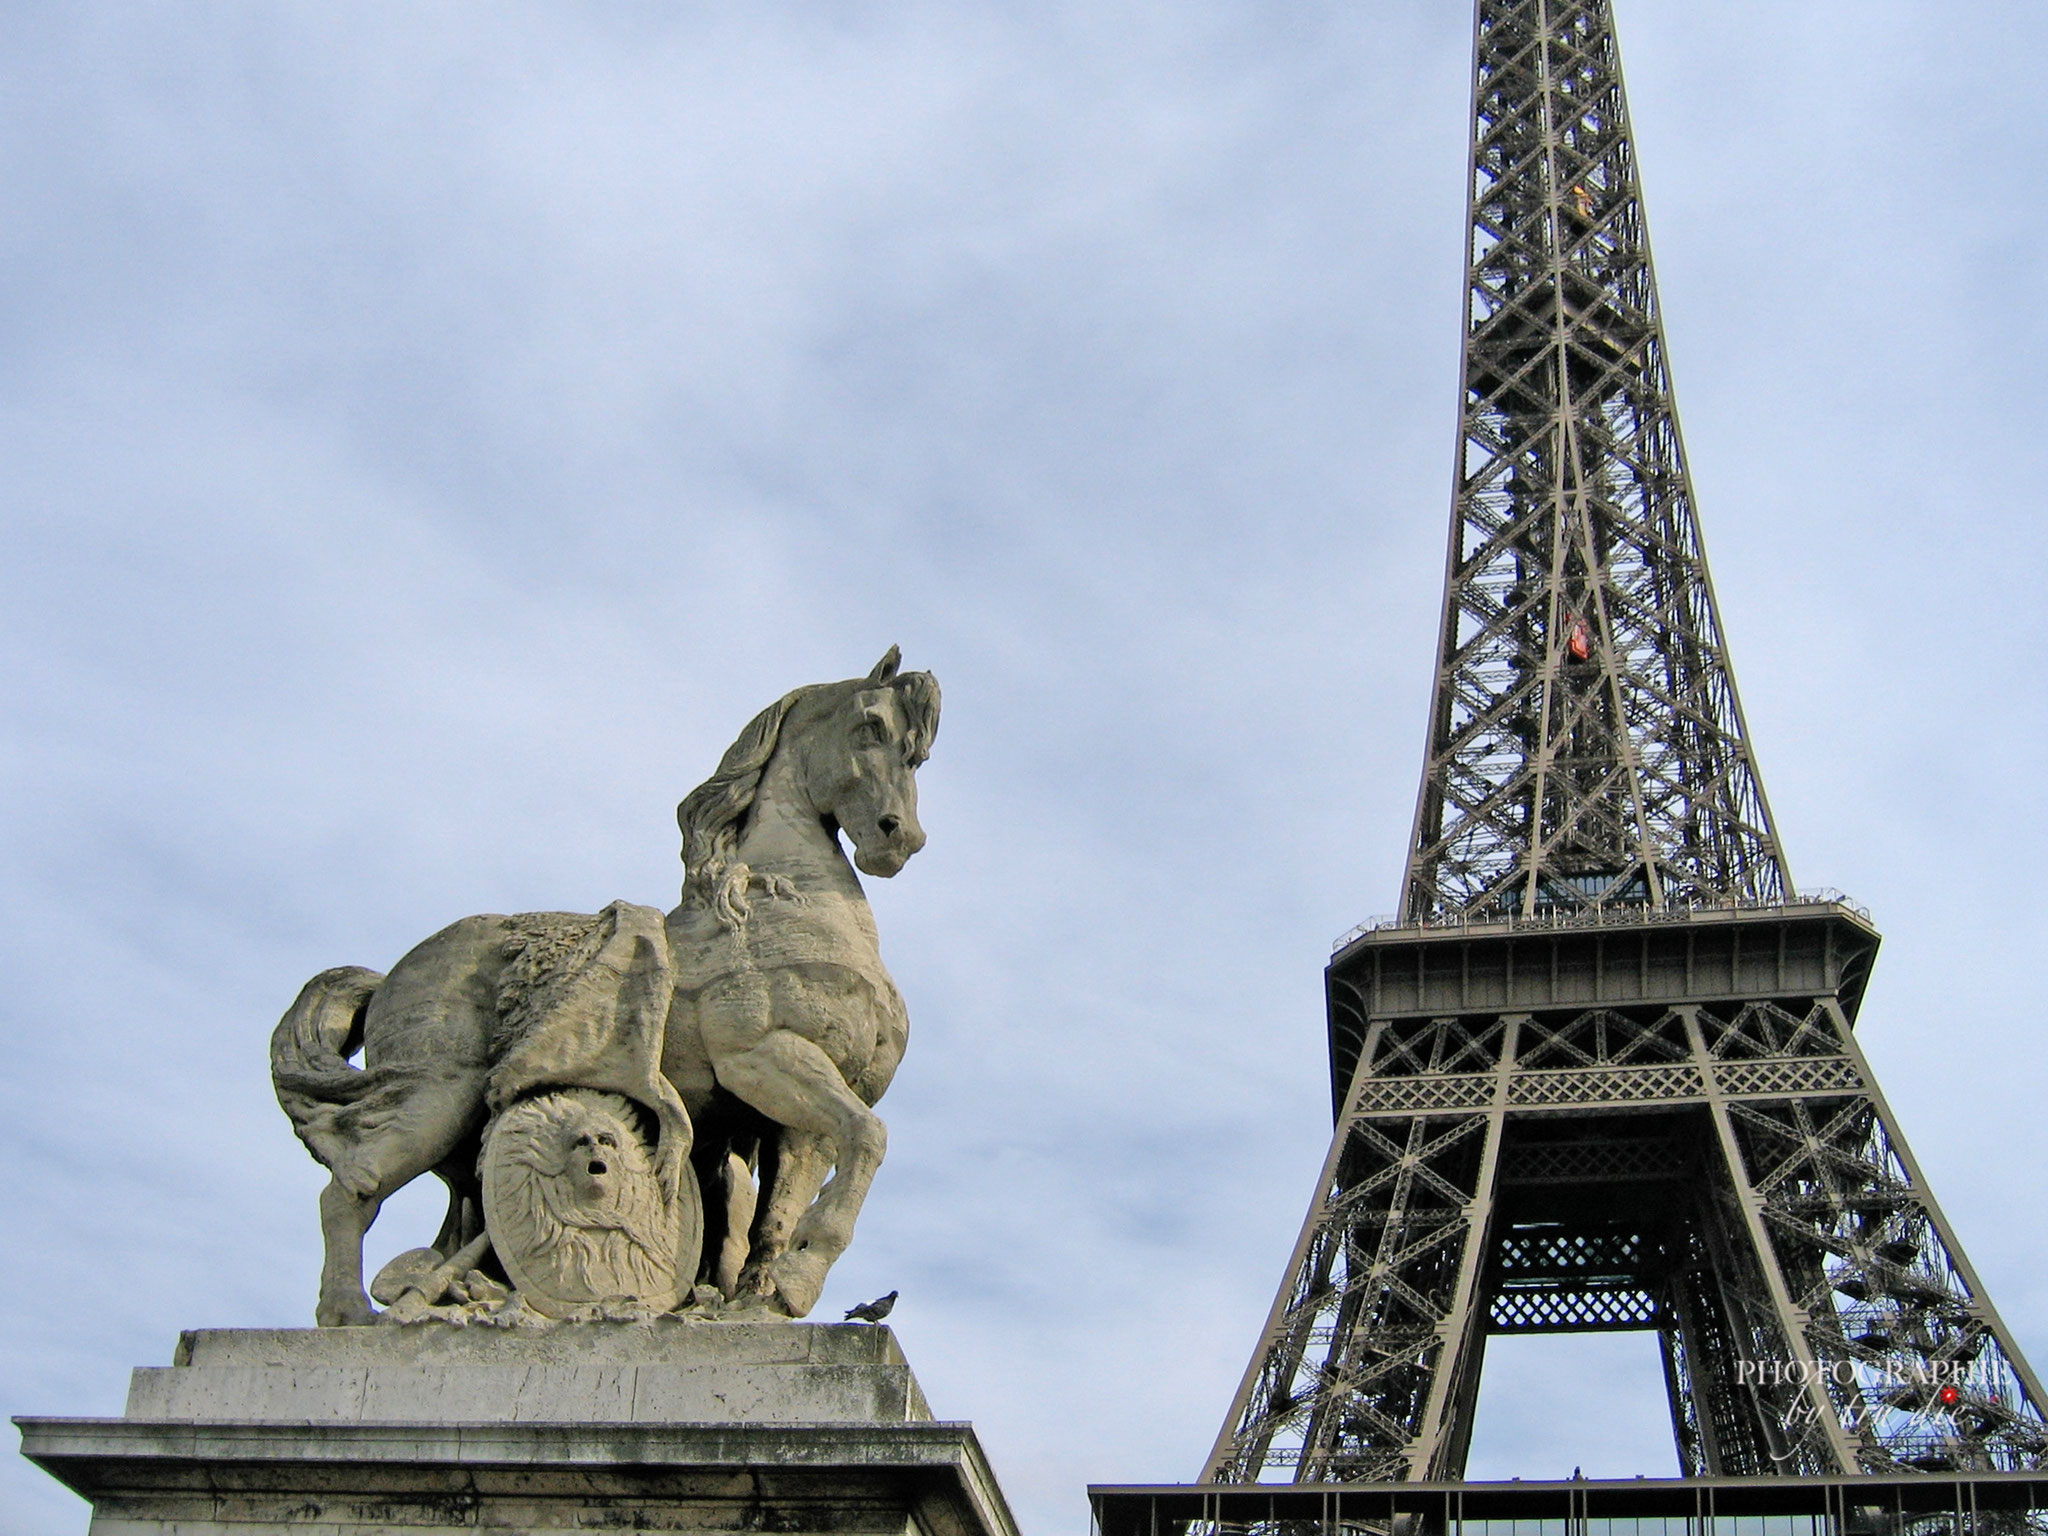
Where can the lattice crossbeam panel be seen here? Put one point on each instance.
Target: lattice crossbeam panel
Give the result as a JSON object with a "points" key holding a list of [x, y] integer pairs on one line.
{"points": [[1816, 1314], [1916, 1364]]}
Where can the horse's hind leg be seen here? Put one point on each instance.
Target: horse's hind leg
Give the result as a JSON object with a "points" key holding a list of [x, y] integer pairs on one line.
{"points": [[465, 1217], [422, 1131], [345, 1218]]}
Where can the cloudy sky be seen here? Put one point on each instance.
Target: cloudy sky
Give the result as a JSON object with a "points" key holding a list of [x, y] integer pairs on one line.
{"points": [[430, 432]]}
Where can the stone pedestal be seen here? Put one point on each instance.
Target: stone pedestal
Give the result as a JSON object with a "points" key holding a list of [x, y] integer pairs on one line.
{"points": [[659, 1426]]}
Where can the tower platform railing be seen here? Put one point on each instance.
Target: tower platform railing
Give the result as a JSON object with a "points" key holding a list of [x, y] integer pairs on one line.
{"points": [[1933, 1503], [1612, 915]]}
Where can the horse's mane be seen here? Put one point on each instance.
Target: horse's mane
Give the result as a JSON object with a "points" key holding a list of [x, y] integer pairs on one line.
{"points": [[918, 693], [714, 814]]}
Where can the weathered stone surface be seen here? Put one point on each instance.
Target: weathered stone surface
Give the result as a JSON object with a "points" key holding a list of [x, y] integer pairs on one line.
{"points": [[663, 1371], [411, 1479], [758, 1009], [662, 1338], [656, 1426]]}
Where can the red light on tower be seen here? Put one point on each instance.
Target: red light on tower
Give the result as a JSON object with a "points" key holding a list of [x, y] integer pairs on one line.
{"points": [[1949, 1397]]}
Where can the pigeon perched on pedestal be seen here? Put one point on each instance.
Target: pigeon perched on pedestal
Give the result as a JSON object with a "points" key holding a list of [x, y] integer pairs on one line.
{"points": [[872, 1311]]}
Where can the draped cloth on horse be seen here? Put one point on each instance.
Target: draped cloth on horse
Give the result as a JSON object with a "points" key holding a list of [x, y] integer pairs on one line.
{"points": [[583, 1003]]}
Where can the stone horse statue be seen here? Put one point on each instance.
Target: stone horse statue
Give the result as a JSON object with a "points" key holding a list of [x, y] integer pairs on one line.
{"points": [[752, 1029]]}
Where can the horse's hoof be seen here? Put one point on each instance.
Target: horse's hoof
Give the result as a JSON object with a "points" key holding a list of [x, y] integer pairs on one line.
{"points": [[345, 1314], [800, 1280]]}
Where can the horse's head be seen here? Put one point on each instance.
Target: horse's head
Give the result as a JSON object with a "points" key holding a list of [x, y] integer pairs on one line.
{"points": [[860, 759], [854, 747]]}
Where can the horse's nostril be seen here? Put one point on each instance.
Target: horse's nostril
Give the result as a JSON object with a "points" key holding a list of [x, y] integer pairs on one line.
{"points": [[889, 824]]}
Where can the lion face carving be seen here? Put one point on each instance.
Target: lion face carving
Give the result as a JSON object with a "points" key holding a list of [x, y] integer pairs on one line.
{"points": [[591, 1175], [575, 1208]]}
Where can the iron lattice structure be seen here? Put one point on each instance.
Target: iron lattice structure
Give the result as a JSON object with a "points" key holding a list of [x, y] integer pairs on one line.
{"points": [[1586, 741], [1600, 1073]]}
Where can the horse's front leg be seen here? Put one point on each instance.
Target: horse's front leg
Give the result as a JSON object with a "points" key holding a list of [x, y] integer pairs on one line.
{"points": [[791, 1080], [801, 1162]]}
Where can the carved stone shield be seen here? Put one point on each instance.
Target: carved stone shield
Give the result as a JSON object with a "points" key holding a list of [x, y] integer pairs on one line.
{"points": [[576, 1211]]}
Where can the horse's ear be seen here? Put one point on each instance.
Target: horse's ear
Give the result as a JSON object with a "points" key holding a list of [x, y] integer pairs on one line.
{"points": [[886, 667]]}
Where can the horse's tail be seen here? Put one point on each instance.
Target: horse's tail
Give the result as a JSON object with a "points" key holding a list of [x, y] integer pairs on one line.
{"points": [[309, 1066]]}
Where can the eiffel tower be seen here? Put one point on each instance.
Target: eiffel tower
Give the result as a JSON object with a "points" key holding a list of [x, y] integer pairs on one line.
{"points": [[1599, 1073]]}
